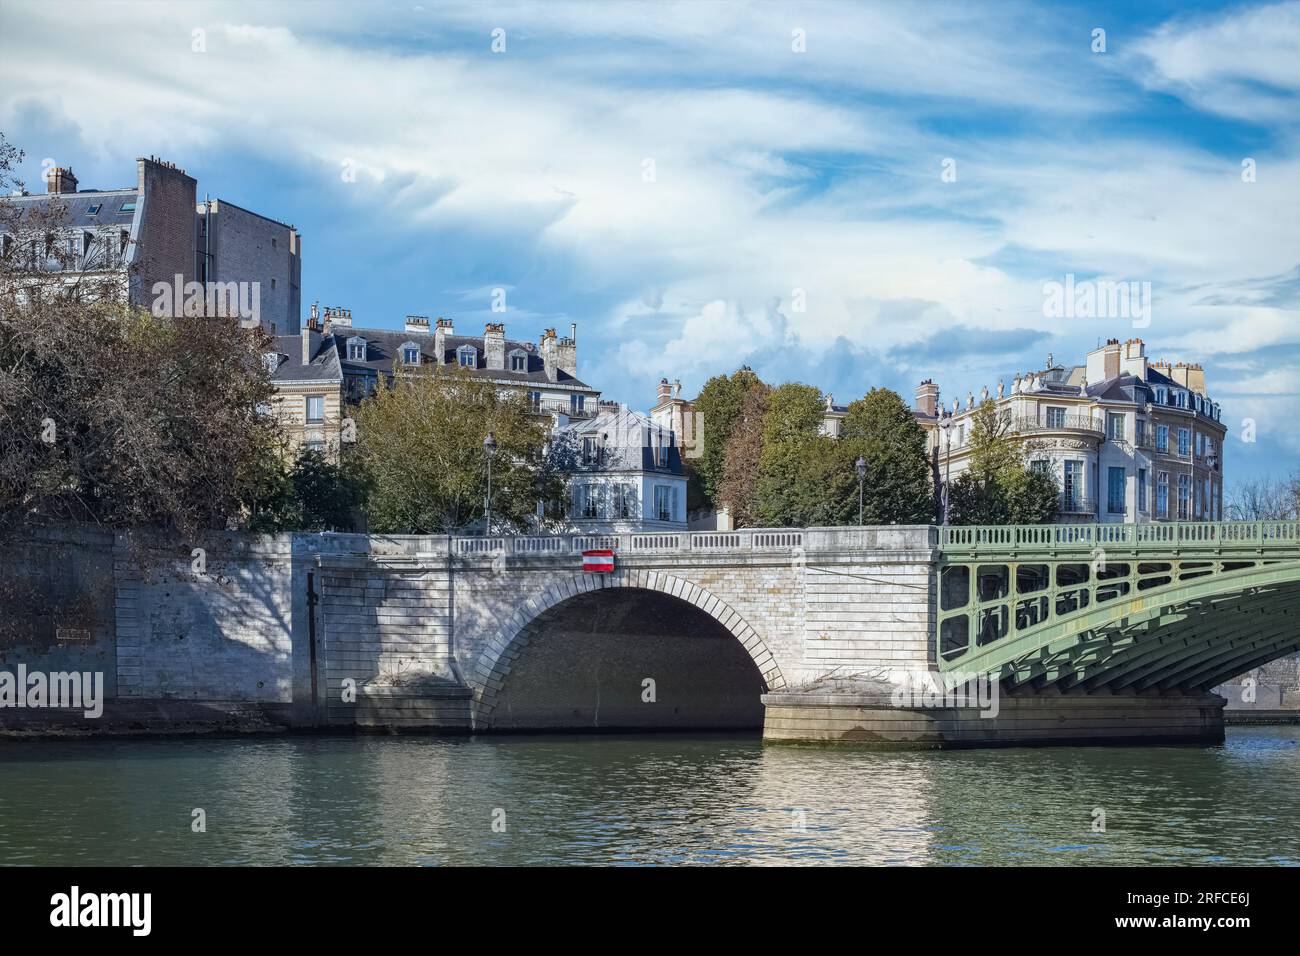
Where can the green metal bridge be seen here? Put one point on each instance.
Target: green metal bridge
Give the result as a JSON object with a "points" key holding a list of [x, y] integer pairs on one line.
{"points": [[1117, 607]]}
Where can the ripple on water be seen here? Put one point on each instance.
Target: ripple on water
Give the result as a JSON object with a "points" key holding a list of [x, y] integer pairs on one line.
{"points": [[654, 800]]}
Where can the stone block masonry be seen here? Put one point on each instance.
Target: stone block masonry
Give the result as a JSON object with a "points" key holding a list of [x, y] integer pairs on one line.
{"points": [[395, 633]]}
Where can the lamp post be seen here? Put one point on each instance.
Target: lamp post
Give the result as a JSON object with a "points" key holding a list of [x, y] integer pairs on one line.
{"points": [[861, 465], [945, 424], [489, 452]]}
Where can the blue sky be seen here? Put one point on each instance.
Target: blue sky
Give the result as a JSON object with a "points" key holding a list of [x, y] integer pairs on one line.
{"points": [[781, 178]]}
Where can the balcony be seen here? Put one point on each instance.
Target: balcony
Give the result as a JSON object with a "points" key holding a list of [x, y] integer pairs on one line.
{"points": [[1070, 423], [1069, 504], [558, 407]]}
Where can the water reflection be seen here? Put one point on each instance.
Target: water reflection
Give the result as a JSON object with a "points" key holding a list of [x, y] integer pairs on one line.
{"points": [[644, 800]]}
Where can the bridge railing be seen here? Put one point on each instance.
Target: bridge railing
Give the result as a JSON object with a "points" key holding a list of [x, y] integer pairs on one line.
{"points": [[1153, 536], [744, 540]]}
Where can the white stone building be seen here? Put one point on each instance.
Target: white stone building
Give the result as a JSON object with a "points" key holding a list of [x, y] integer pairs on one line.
{"points": [[627, 473], [1127, 439]]}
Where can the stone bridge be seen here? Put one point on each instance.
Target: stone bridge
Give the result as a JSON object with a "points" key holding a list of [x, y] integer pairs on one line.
{"points": [[1082, 633], [1090, 632]]}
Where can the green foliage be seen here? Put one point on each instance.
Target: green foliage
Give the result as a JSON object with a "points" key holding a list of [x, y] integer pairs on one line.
{"points": [[793, 464], [311, 494], [998, 488], [718, 406], [897, 489], [420, 449]]}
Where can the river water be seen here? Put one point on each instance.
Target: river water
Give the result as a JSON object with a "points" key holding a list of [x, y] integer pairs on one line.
{"points": [[644, 800]]}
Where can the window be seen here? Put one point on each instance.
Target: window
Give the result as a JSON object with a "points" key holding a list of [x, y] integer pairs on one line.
{"points": [[271, 361], [128, 206], [1200, 443], [590, 450], [1205, 498], [518, 361], [356, 349], [586, 501], [1184, 442], [315, 409], [1042, 466], [1072, 486], [273, 245], [93, 210], [535, 398], [1184, 497], [1142, 490], [1162, 438], [576, 403], [1115, 491], [467, 356], [665, 503], [1114, 426], [660, 449], [411, 356], [1162, 495], [316, 445], [272, 283], [1162, 396], [624, 503], [1055, 417]]}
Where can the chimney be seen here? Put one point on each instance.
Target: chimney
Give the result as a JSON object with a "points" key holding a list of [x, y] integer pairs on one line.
{"points": [[310, 338], [1189, 376], [1104, 362], [927, 398], [665, 392], [494, 346], [417, 323], [1135, 358], [550, 358], [566, 355], [441, 333], [337, 317], [60, 180]]}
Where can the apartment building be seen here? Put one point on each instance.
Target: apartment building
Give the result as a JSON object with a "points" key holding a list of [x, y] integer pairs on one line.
{"points": [[1127, 439]]}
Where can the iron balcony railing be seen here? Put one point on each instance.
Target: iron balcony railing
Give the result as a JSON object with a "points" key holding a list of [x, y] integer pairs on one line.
{"points": [[1069, 423], [1069, 504], [1158, 536]]}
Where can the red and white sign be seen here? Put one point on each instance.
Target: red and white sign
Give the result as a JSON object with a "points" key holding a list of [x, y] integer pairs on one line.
{"points": [[599, 561]]}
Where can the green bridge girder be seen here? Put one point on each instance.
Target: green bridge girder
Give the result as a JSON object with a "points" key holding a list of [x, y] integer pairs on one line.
{"points": [[1117, 607]]}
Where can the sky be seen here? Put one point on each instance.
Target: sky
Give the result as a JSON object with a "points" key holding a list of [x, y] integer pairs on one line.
{"points": [[846, 194]]}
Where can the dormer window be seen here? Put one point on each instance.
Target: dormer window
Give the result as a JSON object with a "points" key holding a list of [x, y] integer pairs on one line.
{"points": [[271, 361], [467, 356], [518, 360], [410, 353], [356, 349]]}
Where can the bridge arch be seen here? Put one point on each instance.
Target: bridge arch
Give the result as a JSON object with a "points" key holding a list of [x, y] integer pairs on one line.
{"points": [[495, 661]]}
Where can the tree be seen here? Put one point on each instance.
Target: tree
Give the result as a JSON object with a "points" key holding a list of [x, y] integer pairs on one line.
{"points": [[792, 468], [880, 428], [997, 488], [1264, 499], [739, 486], [419, 448], [718, 406]]}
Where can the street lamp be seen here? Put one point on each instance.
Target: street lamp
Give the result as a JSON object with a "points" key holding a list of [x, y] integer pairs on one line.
{"points": [[489, 452], [861, 465], [945, 424]]}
